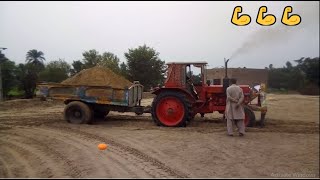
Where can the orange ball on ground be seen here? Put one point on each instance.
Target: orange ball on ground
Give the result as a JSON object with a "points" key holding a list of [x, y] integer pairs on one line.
{"points": [[102, 146]]}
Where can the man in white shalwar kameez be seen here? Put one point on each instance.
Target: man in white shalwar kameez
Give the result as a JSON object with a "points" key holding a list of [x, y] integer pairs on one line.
{"points": [[234, 112]]}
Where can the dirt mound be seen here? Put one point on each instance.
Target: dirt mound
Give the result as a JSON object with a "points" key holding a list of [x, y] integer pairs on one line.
{"points": [[98, 76]]}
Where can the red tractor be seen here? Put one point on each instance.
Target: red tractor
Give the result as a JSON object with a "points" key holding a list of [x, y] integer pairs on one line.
{"points": [[181, 97]]}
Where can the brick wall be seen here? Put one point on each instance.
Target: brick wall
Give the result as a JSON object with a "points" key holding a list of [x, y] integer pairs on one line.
{"points": [[244, 76]]}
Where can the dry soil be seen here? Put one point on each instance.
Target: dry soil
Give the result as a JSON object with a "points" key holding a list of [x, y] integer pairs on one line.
{"points": [[35, 142]]}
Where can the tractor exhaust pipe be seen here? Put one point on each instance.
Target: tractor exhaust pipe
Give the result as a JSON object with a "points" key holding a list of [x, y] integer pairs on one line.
{"points": [[226, 67], [226, 80]]}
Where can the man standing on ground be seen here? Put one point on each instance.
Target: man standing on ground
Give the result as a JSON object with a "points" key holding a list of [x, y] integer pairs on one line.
{"points": [[234, 111]]}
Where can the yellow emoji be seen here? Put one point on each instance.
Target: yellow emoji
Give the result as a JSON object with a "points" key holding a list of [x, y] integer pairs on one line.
{"points": [[266, 20], [292, 20], [242, 20]]}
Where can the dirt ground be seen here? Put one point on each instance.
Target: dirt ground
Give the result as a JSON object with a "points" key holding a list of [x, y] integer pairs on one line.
{"points": [[35, 142]]}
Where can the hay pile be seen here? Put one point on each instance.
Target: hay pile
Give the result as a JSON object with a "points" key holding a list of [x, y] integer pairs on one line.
{"points": [[98, 76]]}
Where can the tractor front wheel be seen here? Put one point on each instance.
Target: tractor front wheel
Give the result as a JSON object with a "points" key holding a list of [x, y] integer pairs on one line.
{"points": [[171, 109]]}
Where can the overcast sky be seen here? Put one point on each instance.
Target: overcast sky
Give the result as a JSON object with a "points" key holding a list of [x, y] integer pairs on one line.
{"points": [[179, 31]]}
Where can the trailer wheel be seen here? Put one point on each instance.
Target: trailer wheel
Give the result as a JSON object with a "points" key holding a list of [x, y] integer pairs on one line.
{"points": [[171, 109], [77, 112], [250, 118]]}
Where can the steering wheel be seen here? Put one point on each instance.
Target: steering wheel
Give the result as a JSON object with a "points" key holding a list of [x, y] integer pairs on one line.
{"points": [[189, 81]]}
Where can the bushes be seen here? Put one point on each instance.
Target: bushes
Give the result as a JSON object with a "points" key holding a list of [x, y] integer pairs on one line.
{"points": [[303, 78], [310, 89]]}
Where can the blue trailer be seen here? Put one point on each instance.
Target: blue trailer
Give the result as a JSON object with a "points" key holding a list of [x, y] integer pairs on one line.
{"points": [[83, 103]]}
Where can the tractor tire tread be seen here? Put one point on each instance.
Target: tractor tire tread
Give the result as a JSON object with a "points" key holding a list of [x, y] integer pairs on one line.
{"points": [[252, 117], [182, 98]]}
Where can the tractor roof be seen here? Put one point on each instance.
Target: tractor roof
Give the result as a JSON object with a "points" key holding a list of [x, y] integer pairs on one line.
{"points": [[191, 62]]}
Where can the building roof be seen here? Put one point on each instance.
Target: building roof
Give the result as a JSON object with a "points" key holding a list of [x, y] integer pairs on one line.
{"points": [[239, 69], [189, 62]]}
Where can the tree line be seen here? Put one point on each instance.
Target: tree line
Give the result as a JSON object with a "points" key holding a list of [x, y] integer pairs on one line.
{"points": [[302, 77], [142, 64]]}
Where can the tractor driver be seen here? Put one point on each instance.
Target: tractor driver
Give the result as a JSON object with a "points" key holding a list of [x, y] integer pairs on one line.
{"points": [[190, 86]]}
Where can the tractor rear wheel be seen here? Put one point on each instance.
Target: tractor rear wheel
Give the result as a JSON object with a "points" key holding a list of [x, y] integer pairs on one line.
{"points": [[77, 112], [250, 118], [171, 109]]}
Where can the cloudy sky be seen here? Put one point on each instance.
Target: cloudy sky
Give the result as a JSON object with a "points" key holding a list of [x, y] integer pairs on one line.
{"points": [[179, 31]]}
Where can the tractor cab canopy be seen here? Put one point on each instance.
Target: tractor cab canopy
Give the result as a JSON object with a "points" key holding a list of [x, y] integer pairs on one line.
{"points": [[180, 72]]}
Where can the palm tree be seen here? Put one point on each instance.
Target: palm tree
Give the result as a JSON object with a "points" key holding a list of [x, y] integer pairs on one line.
{"points": [[35, 57]]}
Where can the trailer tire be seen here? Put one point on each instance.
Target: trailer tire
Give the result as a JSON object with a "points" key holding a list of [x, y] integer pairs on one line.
{"points": [[77, 112]]}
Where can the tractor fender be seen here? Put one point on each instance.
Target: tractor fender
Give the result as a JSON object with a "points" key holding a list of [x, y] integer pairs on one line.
{"points": [[188, 94]]}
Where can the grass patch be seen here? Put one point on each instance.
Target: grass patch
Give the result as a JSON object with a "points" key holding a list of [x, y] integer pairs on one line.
{"points": [[15, 92]]}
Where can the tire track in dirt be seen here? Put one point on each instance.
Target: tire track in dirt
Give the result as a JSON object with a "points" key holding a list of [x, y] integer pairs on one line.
{"points": [[198, 125], [282, 126], [150, 165], [31, 155], [151, 149], [5, 171], [23, 167], [44, 153], [84, 148]]}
